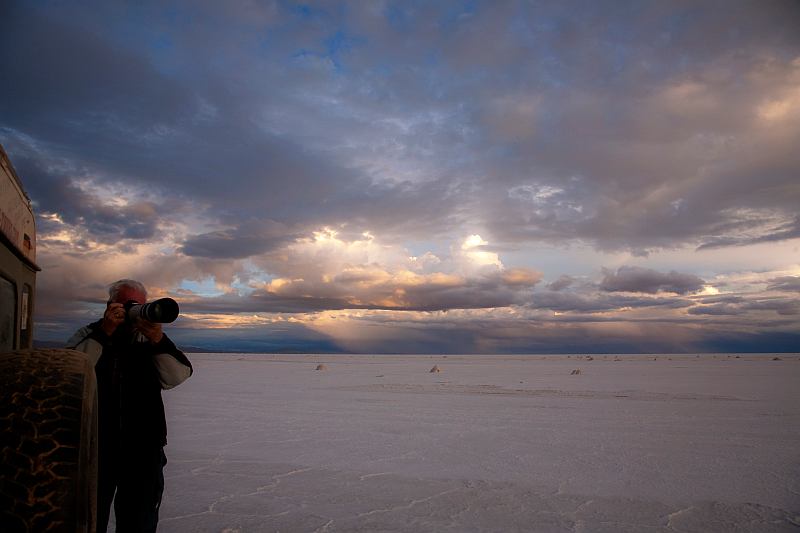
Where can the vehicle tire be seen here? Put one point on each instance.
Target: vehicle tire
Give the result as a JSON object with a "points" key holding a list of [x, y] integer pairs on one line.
{"points": [[48, 441]]}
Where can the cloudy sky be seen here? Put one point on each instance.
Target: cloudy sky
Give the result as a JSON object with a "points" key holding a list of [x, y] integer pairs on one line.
{"points": [[435, 177]]}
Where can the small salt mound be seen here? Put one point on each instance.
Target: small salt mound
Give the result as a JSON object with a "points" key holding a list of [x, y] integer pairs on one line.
{"points": [[322, 367], [575, 372], [435, 369]]}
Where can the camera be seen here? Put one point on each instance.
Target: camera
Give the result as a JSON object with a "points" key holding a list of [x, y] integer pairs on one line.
{"points": [[164, 310]]}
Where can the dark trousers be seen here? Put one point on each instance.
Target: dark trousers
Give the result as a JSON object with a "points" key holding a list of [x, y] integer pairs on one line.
{"points": [[134, 480]]}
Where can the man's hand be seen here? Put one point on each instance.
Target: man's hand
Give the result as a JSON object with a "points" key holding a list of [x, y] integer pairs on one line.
{"points": [[151, 330], [112, 318]]}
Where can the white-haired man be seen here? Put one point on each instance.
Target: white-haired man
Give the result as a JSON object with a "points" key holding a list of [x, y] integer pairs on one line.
{"points": [[134, 362]]}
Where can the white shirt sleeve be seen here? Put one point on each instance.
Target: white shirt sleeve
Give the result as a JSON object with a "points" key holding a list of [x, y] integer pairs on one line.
{"points": [[83, 343], [171, 372]]}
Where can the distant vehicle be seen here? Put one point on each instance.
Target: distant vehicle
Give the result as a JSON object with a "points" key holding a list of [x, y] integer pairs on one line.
{"points": [[48, 398]]}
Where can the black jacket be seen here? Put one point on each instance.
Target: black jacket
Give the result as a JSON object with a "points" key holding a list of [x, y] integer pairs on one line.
{"points": [[129, 382]]}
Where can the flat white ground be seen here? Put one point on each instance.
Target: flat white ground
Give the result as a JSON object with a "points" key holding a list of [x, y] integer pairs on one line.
{"points": [[490, 443]]}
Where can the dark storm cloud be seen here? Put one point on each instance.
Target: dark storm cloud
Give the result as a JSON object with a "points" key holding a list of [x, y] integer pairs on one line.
{"points": [[785, 283], [561, 283], [109, 111], [722, 299], [788, 230], [594, 302], [482, 296], [717, 309], [264, 301], [781, 306], [252, 238], [637, 279], [102, 220], [68, 85]]}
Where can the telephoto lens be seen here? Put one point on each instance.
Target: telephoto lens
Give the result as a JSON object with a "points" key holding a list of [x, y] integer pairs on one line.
{"points": [[164, 310]]}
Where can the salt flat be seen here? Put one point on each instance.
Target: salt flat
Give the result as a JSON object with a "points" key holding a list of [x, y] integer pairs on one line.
{"points": [[490, 443]]}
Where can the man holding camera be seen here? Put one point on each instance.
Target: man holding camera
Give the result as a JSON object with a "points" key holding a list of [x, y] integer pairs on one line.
{"points": [[134, 361]]}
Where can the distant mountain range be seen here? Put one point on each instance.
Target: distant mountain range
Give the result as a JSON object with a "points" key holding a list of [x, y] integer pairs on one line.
{"points": [[39, 344]]}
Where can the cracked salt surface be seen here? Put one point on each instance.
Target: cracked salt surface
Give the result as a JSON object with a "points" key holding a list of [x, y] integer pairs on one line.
{"points": [[377, 443]]}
